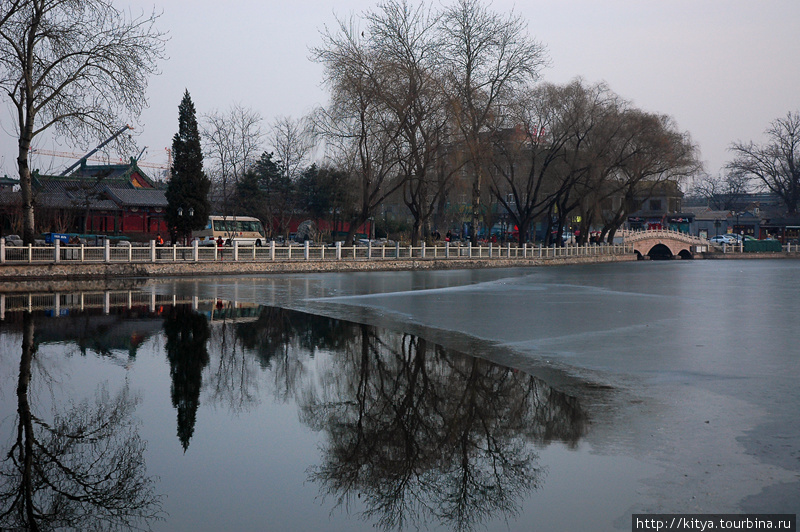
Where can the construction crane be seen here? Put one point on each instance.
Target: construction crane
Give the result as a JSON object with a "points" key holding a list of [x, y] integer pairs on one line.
{"points": [[89, 156], [123, 129], [99, 159]]}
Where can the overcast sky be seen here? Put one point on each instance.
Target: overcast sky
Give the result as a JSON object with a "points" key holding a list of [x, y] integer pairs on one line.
{"points": [[723, 69]]}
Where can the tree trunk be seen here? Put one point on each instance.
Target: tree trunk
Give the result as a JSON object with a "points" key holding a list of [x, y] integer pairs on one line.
{"points": [[355, 223], [26, 188], [522, 231], [476, 207], [416, 232]]}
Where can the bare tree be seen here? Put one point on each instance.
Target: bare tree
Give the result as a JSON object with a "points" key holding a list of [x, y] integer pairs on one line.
{"points": [[360, 135], [411, 93], [233, 142], [485, 57], [555, 155], [655, 151], [574, 149], [291, 144], [8, 9], [721, 192], [75, 67], [775, 164]]}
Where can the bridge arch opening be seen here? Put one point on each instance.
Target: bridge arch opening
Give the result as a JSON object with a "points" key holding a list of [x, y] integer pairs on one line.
{"points": [[660, 252], [685, 254]]}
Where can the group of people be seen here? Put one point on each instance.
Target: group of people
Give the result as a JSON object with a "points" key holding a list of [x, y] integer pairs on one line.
{"points": [[220, 243], [436, 235]]}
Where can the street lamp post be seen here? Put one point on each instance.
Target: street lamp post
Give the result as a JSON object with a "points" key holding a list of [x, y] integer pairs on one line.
{"points": [[190, 214]]}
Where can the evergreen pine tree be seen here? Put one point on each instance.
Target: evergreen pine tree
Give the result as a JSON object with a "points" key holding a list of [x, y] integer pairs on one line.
{"points": [[187, 193]]}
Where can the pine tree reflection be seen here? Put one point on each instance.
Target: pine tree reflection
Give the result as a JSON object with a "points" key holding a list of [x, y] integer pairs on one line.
{"points": [[83, 470], [421, 434], [187, 333]]}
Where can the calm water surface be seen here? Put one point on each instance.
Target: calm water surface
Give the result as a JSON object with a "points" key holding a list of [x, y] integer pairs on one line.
{"points": [[523, 399]]}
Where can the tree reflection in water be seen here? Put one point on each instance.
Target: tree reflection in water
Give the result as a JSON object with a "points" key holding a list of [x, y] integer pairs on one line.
{"points": [[84, 469], [420, 434], [417, 433]]}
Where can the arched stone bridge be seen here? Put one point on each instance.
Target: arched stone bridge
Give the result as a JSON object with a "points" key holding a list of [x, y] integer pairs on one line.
{"points": [[665, 244]]}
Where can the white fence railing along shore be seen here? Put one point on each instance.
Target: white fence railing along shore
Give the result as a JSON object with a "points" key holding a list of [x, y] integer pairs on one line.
{"points": [[150, 253]]}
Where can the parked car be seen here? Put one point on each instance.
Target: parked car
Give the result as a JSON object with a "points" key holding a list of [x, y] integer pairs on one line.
{"points": [[738, 239], [723, 239], [13, 240]]}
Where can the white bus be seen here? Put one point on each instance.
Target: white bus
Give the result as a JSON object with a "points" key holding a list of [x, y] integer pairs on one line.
{"points": [[242, 229]]}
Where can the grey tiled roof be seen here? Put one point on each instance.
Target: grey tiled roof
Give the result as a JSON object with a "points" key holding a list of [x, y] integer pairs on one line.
{"points": [[712, 215], [105, 172], [73, 202], [138, 197], [74, 193]]}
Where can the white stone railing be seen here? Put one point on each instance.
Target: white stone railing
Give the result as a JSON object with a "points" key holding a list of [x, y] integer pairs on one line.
{"points": [[59, 253], [629, 235]]}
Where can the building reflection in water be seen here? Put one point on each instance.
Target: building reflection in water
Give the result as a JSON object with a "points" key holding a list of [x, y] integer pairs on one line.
{"points": [[416, 433]]}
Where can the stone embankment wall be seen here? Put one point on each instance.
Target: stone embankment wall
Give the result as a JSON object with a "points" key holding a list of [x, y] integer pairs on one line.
{"points": [[67, 272], [757, 255]]}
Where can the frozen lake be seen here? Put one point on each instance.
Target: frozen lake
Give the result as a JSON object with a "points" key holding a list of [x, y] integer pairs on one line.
{"points": [[562, 398]]}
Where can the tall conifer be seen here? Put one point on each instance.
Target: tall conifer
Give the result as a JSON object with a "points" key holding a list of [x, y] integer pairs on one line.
{"points": [[187, 193]]}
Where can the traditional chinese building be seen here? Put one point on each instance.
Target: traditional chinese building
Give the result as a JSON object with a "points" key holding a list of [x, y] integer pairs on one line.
{"points": [[114, 199]]}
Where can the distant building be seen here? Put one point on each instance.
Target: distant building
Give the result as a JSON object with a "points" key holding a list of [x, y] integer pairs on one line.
{"points": [[659, 206], [7, 184], [760, 215]]}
